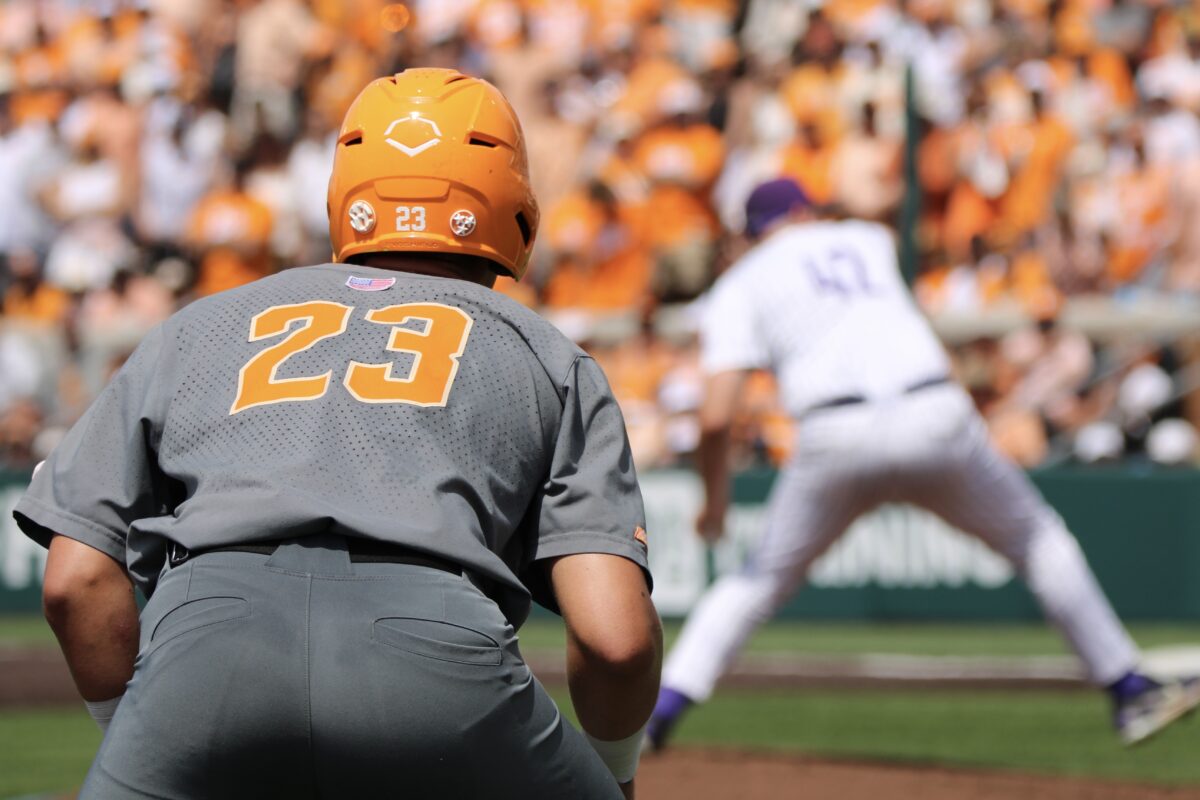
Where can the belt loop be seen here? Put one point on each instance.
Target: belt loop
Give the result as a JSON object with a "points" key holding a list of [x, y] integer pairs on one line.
{"points": [[177, 554], [321, 553]]}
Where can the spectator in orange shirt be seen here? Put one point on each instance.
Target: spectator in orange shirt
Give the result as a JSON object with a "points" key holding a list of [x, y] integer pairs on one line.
{"points": [[27, 297], [231, 233], [808, 160], [681, 157], [810, 93], [41, 76], [1109, 68], [601, 263], [1144, 217], [1037, 170]]}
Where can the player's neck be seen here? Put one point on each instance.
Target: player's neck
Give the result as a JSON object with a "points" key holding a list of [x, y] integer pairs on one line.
{"points": [[465, 269], [789, 222]]}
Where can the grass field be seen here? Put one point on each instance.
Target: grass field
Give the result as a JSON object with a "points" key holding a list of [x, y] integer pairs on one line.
{"points": [[1041, 732], [1035, 732], [45, 750], [24, 629]]}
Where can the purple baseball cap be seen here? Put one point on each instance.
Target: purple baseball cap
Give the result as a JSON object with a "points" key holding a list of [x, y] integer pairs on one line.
{"points": [[772, 200]]}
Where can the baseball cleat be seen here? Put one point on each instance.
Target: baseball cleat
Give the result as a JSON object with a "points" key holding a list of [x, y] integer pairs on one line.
{"points": [[1144, 714], [658, 730]]}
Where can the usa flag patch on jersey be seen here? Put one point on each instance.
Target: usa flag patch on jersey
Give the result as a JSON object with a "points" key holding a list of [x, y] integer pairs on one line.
{"points": [[370, 284]]}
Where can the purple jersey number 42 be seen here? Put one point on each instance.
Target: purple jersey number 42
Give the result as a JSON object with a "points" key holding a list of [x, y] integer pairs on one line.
{"points": [[840, 271]]}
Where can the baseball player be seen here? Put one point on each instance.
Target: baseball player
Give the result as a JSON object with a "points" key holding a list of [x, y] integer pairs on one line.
{"points": [[822, 304], [340, 487]]}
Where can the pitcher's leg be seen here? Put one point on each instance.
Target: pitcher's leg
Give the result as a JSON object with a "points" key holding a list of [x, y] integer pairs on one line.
{"points": [[981, 492], [808, 511]]}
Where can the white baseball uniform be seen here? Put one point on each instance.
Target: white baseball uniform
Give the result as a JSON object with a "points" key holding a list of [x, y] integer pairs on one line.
{"points": [[824, 307]]}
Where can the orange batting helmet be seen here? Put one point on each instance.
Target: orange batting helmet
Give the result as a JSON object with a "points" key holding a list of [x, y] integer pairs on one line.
{"points": [[431, 160]]}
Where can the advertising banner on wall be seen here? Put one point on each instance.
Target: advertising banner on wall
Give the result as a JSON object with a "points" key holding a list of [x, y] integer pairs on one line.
{"points": [[22, 562]]}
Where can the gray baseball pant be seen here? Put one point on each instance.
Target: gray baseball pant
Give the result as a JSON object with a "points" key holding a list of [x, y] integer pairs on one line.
{"points": [[303, 675]]}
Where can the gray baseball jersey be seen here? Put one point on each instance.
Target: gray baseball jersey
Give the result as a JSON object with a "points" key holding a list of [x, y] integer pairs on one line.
{"points": [[424, 411]]}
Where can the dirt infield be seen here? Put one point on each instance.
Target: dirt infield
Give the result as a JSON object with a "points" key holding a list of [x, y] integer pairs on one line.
{"points": [[691, 774], [34, 676], [37, 675]]}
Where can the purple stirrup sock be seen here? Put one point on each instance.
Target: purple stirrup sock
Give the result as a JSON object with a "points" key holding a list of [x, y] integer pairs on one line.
{"points": [[1131, 685], [671, 704]]}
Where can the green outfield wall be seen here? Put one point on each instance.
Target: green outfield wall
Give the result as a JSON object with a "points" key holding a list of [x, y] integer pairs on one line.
{"points": [[1140, 530], [21, 561]]}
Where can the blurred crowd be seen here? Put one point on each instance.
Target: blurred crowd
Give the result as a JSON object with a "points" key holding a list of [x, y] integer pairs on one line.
{"points": [[156, 151]]}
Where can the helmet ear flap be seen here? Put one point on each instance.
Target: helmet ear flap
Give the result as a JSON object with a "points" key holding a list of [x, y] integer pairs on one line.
{"points": [[422, 127]]}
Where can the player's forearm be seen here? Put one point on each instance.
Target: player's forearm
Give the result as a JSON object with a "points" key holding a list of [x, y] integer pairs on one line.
{"points": [[91, 608], [722, 393], [614, 642], [712, 462], [98, 632], [614, 694]]}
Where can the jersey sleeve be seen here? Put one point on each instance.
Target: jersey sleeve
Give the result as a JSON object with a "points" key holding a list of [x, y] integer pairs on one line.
{"points": [[729, 334], [590, 501], [103, 475]]}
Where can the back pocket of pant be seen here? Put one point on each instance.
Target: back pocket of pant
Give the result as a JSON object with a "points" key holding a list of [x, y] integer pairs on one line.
{"points": [[196, 614], [443, 641]]}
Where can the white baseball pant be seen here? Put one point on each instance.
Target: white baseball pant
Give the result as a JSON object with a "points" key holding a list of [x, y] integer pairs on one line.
{"points": [[929, 448]]}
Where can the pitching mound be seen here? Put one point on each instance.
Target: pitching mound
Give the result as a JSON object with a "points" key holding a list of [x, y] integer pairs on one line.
{"points": [[689, 774]]}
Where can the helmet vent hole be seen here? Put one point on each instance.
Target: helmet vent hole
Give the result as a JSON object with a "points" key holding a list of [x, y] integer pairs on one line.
{"points": [[353, 141], [475, 140], [523, 224]]}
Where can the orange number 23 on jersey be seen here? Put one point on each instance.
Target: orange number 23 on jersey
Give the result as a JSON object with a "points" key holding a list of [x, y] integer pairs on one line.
{"points": [[436, 350]]}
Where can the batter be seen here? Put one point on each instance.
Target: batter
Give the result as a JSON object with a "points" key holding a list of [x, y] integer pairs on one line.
{"points": [[341, 487]]}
